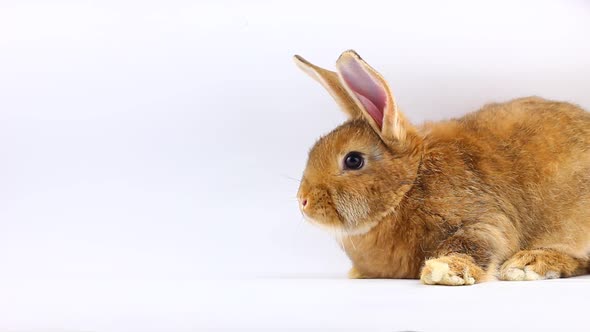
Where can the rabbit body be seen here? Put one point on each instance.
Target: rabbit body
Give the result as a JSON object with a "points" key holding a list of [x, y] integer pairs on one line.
{"points": [[503, 191]]}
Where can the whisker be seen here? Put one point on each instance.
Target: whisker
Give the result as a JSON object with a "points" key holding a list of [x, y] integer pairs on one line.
{"points": [[291, 178]]}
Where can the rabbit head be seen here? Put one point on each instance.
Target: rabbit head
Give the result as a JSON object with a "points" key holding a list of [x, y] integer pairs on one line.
{"points": [[358, 173]]}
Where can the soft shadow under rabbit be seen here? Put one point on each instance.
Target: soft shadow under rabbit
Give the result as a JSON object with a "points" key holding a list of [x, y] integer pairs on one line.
{"points": [[504, 191]]}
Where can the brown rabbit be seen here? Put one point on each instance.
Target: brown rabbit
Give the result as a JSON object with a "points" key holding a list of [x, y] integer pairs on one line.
{"points": [[504, 191]]}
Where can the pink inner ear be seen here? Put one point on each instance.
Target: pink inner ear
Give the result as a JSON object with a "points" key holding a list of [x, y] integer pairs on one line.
{"points": [[369, 92], [372, 109]]}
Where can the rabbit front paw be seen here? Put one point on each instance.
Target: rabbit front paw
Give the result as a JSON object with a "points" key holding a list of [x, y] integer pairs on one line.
{"points": [[453, 270], [540, 264]]}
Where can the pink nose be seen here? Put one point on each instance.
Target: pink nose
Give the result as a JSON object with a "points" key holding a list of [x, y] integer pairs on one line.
{"points": [[304, 202]]}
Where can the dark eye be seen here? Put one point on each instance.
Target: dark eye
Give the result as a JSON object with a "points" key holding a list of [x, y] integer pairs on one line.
{"points": [[353, 160]]}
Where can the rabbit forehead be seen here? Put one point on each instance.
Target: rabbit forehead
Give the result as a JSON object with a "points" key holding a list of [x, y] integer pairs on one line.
{"points": [[354, 135]]}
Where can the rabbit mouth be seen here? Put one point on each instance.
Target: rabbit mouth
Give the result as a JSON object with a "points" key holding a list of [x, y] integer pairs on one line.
{"points": [[339, 212]]}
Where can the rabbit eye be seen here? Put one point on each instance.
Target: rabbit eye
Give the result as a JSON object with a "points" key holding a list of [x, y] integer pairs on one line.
{"points": [[353, 160]]}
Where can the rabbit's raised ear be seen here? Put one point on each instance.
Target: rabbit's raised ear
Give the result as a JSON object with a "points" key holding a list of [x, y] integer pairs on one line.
{"points": [[330, 81], [373, 95]]}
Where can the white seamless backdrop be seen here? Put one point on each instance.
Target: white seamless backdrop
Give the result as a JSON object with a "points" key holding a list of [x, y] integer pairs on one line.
{"points": [[163, 140], [152, 140]]}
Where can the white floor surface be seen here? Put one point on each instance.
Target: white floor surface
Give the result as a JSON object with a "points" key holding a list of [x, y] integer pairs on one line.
{"points": [[294, 304]]}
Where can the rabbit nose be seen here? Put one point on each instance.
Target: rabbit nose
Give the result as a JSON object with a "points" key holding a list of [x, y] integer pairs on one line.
{"points": [[303, 202]]}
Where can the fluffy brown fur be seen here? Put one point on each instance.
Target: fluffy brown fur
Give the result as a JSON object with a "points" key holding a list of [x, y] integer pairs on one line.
{"points": [[502, 191]]}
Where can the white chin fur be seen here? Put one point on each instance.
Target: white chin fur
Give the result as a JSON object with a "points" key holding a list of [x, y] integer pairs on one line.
{"points": [[340, 232]]}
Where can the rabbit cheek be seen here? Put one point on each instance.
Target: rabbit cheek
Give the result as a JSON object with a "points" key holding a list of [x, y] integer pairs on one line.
{"points": [[352, 208]]}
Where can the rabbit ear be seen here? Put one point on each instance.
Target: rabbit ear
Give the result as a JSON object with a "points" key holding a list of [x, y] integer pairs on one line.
{"points": [[330, 81], [373, 95]]}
